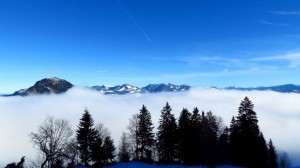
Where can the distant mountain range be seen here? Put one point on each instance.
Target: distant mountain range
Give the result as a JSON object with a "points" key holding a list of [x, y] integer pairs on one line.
{"points": [[56, 86], [288, 88], [151, 88]]}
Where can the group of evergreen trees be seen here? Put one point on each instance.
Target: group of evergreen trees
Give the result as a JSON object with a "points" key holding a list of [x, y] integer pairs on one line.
{"points": [[93, 147], [248, 145], [198, 138]]}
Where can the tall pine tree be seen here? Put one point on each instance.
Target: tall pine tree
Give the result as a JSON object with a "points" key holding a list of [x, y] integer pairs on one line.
{"points": [[97, 152], [209, 137], [103, 149], [196, 140], [249, 146], [272, 156], [223, 147], [233, 141], [145, 135], [262, 151], [184, 137], [167, 136], [108, 150], [85, 136]]}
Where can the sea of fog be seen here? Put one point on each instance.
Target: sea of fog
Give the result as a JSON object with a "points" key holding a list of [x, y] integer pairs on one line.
{"points": [[278, 114]]}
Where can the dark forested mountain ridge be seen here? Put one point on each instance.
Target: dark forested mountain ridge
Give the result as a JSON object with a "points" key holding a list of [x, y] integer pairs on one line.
{"points": [[288, 88], [46, 86]]}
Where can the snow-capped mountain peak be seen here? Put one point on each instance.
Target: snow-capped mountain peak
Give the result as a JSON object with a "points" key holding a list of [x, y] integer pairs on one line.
{"points": [[154, 88], [151, 88], [119, 89]]}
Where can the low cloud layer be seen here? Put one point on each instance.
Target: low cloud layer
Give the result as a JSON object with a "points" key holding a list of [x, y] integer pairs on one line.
{"points": [[278, 114]]}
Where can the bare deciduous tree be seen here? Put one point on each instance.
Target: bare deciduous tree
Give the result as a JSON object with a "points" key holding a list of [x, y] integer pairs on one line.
{"points": [[220, 125], [102, 131], [284, 161], [132, 135], [72, 153], [124, 148], [51, 139]]}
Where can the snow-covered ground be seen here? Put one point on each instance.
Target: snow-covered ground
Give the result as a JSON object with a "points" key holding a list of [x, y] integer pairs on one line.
{"points": [[145, 165]]}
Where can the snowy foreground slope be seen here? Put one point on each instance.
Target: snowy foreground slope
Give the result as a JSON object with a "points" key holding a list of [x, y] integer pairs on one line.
{"points": [[145, 165]]}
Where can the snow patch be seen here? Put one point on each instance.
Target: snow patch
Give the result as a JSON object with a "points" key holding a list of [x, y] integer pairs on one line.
{"points": [[154, 165]]}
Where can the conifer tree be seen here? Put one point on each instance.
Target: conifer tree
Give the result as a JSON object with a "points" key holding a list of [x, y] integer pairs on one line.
{"points": [[272, 156], [196, 140], [97, 152], [21, 163], [167, 136], [209, 137], [108, 150], [18, 165], [247, 119], [145, 135], [103, 149], [233, 141], [223, 147], [248, 144], [184, 137], [262, 152], [85, 136]]}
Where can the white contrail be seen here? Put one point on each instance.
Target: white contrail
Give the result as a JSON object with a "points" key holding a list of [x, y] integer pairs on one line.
{"points": [[134, 21]]}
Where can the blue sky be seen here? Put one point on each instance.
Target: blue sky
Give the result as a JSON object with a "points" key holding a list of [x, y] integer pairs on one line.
{"points": [[196, 42]]}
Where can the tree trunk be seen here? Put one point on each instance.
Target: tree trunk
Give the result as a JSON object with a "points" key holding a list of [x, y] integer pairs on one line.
{"points": [[44, 163]]}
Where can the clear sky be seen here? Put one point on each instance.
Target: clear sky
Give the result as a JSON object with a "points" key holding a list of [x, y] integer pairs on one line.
{"points": [[195, 42]]}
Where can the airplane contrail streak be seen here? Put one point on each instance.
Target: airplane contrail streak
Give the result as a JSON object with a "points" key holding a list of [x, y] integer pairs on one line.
{"points": [[134, 21]]}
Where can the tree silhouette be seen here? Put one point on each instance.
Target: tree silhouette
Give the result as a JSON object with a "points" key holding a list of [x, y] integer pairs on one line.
{"points": [[272, 156], [284, 161], [145, 135], [86, 136], [51, 139], [167, 136], [248, 144], [108, 150], [132, 135], [184, 137], [223, 147], [102, 148], [209, 129], [262, 152], [18, 165], [124, 148], [233, 141], [196, 140], [97, 153]]}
